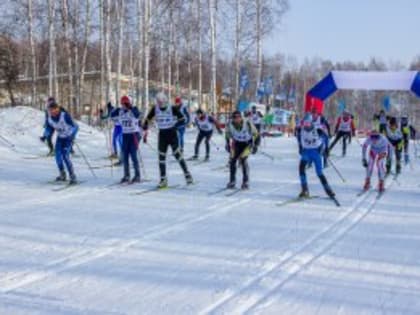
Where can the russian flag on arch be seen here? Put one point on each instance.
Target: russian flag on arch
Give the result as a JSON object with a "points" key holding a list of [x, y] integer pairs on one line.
{"points": [[361, 80]]}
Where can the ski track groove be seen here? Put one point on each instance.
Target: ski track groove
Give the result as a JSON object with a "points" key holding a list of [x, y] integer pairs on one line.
{"points": [[257, 290], [27, 277]]}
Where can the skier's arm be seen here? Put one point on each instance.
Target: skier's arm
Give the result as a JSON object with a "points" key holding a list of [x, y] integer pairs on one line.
{"points": [[70, 121], [187, 116], [149, 117], [135, 111], [254, 132], [180, 119], [327, 125], [353, 128], [216, 124]]}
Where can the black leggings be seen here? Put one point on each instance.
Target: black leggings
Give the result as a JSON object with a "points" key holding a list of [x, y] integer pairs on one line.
{"points": [[346, 135], [200, 137], [240, 151], [168, 138]]}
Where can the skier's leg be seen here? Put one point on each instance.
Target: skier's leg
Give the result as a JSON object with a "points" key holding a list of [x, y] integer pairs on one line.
{"points": [[59, 154], [163, 148], [115, 141], [316, 157], [345, 137], [134, 157], [181, 133], [337, 137], [125, 156], [200, 138], [234, 155], [50, 144], [208, 137], [66, 149], [176, 150]]}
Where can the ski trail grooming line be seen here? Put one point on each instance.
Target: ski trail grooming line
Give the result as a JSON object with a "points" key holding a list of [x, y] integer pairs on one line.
{"points": [[27, 277], [264, 285]]}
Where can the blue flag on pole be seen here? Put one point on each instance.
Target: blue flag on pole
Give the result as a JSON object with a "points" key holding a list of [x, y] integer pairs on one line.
{"points": [[387, 103], [341, 106], [243, 80]]}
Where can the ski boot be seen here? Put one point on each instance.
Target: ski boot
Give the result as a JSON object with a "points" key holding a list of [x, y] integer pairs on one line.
{"points": [[135, 179], [207, 158], [62, 177], [367, 184], [245, 186], [189, 179], [231, 185], [304, 193], [125, 179], [163, 183], [194, 158], [381, 186], [398, 169], [73, 179], [118, 163], [113, 156], [330, 193]]}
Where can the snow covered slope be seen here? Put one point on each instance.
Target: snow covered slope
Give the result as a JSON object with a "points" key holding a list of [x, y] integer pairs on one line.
{"points": [[95, 249]]}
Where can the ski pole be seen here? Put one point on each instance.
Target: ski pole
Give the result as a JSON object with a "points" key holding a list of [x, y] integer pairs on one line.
{"points": [[215, 144], [85, 159], [7, 142], [336, 170], [272, 158], [142, 163]]}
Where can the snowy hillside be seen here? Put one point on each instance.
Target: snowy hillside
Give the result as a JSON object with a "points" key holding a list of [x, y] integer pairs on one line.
{"points": [[96, 249]]}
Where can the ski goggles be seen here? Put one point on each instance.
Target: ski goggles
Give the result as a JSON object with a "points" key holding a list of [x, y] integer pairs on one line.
{"points": [[375, 136]]}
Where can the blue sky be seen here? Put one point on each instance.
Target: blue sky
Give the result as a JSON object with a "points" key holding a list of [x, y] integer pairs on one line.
{"points": [[349, 30]]}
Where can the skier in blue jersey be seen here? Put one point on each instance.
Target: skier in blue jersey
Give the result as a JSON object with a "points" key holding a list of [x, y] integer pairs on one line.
{"points": [[116, 135], [311, 147], [128, 118], [60, 121], [182, 126]]}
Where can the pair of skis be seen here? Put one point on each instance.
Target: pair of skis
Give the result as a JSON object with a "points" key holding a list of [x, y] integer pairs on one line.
{"points": [[302, 199], [65, 185]]}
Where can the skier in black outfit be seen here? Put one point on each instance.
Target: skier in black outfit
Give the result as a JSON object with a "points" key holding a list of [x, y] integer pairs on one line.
{"points": [[168, 119], [205, 124], [241, 137]]}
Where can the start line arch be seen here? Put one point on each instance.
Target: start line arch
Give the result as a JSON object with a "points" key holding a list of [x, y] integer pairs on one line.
{"points": [[361, 80]]}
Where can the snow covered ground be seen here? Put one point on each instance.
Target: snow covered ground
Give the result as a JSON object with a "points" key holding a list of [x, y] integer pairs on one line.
{"points": [[94, 249]]}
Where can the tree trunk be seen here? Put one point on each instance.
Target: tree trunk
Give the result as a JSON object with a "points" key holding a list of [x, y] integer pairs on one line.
{"points": [[76, 22], [200, 55], [259, 41], [238, 32], [189, 53], [171, 48], [147, 29], [108, 50], [87, 29], [212, 14], [33, 54], [64, 16], [101, 44], [140, 32], [51, 50], [120, 14]]}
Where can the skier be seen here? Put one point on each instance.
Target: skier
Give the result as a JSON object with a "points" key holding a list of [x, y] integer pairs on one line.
{"points": [[50, 136], [321, 123], [61, 122], [383, 121], [395, 137], [380, 149], [241, 137], [256, 118], [181, 128], [168, 118], [205, 125], [310, 148], [407, 131], [128, 118], [345, 129], [117, 134]]}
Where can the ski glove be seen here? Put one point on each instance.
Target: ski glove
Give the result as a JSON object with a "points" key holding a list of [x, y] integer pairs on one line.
{"points": [[365, 163], [227, 147], [43, 138], [254, 149]]}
